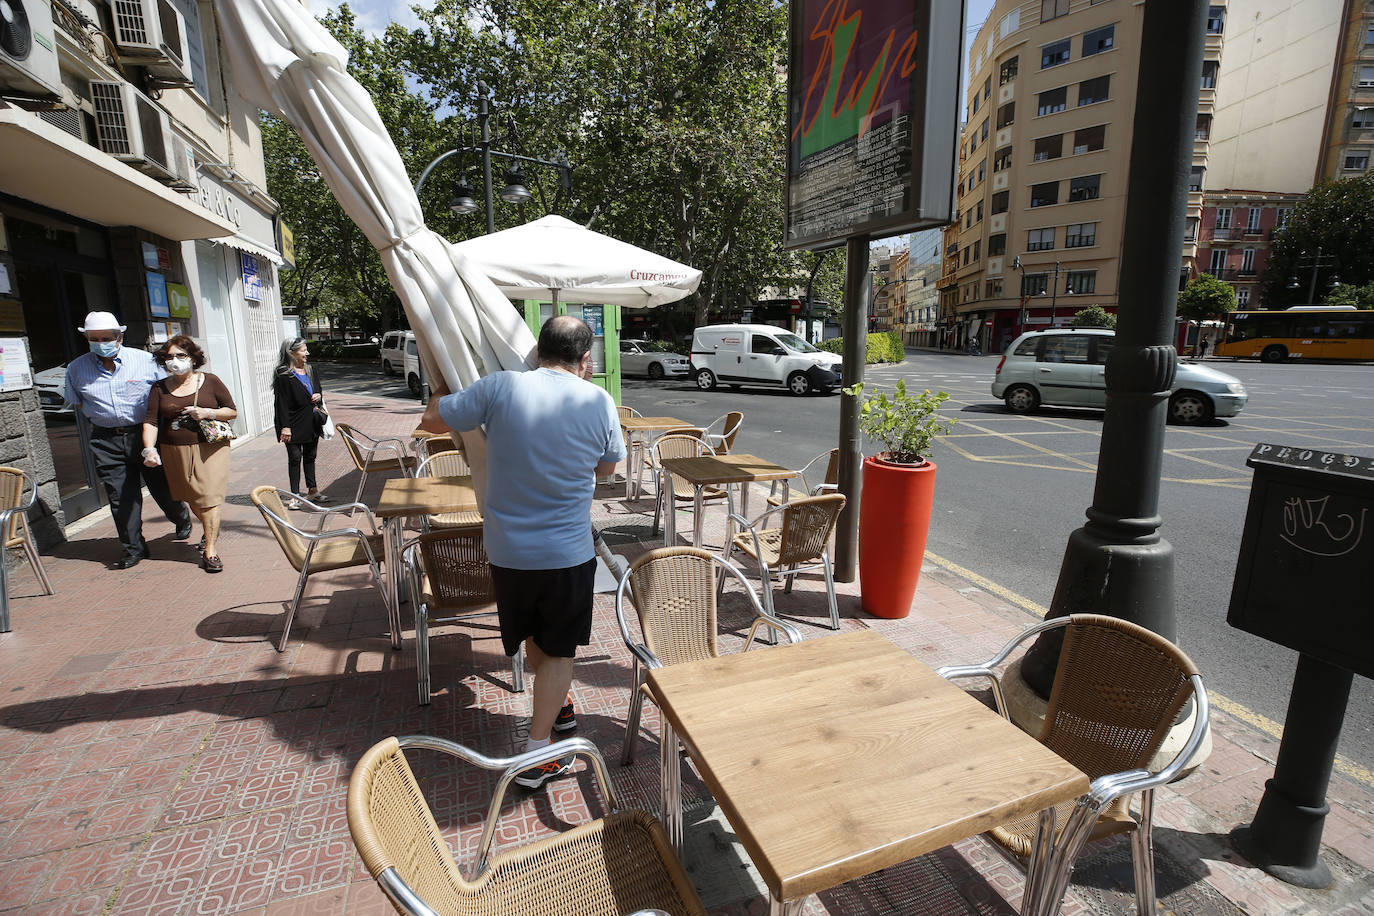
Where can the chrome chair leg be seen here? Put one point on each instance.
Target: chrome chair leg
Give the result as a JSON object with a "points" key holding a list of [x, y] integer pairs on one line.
{"points": [[37, 563], [362, 482], [1143, 856], [4, 595], [787, 579], [291, 611], [422, 652], [830, 592], [1041, 849], [670, 773], [632, 716]]}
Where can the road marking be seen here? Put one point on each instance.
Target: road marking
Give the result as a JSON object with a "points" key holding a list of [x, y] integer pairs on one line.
{"points": [[1268, 726]]}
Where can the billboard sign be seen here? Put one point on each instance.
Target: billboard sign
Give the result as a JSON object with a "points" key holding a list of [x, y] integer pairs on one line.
{"points": [[873, 118]]}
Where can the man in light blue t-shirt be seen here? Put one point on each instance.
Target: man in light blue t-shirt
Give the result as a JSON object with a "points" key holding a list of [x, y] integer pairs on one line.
{"points": [[550, 435]]}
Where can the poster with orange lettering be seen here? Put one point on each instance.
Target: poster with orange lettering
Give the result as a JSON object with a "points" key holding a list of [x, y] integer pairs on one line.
{"points": [[873, 118]]}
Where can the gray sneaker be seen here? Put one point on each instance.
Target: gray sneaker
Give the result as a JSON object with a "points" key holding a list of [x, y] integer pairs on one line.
{"points": [[535, 777]]}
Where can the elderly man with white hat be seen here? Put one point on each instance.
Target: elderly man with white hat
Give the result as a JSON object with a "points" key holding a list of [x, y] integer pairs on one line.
{"points": [[110, 386]]}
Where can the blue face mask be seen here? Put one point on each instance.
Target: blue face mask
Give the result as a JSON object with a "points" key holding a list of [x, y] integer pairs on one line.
{"points": [[106, 348]]}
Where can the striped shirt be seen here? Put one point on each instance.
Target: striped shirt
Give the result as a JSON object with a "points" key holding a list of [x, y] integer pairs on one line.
{"points": [[118, 398]]}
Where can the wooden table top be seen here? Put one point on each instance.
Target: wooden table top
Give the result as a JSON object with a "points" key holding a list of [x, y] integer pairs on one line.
{"points": [[840, 756], [404, 496], [647, 424], [726, 469]]}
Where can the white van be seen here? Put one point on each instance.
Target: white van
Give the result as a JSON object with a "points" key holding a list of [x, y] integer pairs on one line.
{"points": [[760, 354], [400, 355]]}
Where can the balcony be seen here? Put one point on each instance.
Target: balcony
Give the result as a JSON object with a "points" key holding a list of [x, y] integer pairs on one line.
{"points": [[1222, 273], [1221, 233]]}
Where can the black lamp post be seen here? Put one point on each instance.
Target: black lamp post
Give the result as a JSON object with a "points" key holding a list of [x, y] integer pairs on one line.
{"points": [[516, 190], [1016, 265], [1316, 262], [1054, 293]]}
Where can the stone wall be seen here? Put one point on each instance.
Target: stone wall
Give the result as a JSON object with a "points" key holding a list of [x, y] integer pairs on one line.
{"points": [[24, 445]]}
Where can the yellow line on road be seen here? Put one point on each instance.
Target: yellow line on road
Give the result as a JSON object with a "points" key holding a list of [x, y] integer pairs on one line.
{"points": [[1344, 765]]}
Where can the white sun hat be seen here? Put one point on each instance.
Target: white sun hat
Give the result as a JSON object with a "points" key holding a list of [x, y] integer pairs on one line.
{"points": [[101, 321]]}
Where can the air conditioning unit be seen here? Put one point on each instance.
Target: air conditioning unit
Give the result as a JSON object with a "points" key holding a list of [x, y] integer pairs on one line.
{"points": [[28, 52], [131, 128], [152, 34]]}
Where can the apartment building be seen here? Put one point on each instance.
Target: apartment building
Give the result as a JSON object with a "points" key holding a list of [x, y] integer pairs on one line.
{"points": [[131, 180], [947, 323], [1348, 130], [1045, 161], [924, 262]]}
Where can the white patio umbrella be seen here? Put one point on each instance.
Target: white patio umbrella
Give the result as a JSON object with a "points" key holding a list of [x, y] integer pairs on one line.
{"points": [[577, 264]]}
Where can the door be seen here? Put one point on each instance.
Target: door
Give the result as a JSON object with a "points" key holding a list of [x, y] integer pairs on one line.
{"points": [[765, 360], [604, 320], [217, 330], [1064, 373]]}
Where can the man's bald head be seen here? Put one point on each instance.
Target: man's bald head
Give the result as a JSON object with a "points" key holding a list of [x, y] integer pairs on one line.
{"points": [[563, 341]]}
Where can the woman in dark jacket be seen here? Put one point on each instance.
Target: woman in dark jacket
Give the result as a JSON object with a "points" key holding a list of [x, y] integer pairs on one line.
{"points": [[296, 388]]}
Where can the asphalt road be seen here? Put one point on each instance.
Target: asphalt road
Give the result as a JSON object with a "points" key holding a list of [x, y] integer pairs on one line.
{"points": [[1012, 488]]}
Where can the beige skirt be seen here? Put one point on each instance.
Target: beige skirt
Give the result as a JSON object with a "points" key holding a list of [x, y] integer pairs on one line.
{"points": [[197, 474]]}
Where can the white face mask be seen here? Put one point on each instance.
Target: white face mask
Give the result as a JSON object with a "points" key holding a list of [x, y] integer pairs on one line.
{"points": [[178, 365]]}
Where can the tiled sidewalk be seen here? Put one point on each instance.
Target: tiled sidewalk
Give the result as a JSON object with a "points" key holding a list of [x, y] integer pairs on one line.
{"points": [[158, 756]]}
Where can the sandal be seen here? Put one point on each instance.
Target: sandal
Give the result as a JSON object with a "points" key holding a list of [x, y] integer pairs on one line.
{"points": [[213, 564], [201, 545]]}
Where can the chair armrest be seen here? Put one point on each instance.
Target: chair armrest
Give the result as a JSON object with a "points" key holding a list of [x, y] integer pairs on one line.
{"points": [[954, 672], [820, 488], [325, 512], [773, 623], [640, 651]]}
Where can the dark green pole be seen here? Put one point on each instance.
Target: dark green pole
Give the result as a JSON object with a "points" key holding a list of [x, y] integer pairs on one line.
{"points": [[1117, 563], [851, 457]]}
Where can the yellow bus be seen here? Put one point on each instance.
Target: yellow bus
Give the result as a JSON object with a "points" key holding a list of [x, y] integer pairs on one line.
{"points": [[1299, 333]]}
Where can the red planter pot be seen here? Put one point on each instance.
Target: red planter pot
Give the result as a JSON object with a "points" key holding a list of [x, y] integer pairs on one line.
{"points": [[894, 519]]}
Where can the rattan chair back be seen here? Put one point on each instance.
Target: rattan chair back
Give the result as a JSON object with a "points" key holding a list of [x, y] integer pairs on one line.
{"points": [[733, 421], [832, 468], [1118, 691], [432, 445], [269, 497], [627, 413], [680, 444], [806, 527], [12, 483], [458, 574], [447, 463], [350, 441], [675, 597]]}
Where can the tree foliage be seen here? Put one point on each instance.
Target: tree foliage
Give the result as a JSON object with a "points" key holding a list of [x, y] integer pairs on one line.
{"points": [[1094, 316], [1362, 297], [1329, 231], [1206, 298]]}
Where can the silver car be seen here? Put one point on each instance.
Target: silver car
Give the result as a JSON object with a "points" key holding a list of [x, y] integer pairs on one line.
{"points": [[1066, 367], [637, 359]]}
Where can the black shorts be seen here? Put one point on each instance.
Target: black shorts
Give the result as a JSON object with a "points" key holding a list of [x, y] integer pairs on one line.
{"points": [[551, 606]]}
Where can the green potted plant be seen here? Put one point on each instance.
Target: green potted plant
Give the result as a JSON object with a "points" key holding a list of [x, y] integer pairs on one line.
{"points": [[898, 492]]}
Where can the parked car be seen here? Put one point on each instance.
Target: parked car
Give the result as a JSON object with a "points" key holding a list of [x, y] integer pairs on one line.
{"points": [[401, 355], [636, 358], [760, 354], [1066, 367], [50, 385]]}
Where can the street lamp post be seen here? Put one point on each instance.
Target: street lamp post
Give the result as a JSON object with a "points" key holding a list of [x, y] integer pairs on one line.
{"points": [[1054, 293], [1016, 265], [1316, 262]]}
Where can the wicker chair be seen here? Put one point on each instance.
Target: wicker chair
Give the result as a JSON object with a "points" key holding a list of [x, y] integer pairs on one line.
{"points": [[448, 463], [673, 590], [724, 441], [322, 550], [431, 445], [647, 458], [607, 867], [14, 521], [783, 491], [800, 542], [1117, 692], [450, 573], [679, 445], [374, 456]]}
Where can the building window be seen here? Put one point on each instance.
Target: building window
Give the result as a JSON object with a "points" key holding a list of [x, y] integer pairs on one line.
{"points": [[1006, 115], [987, 90], [1035, 284], [978, 218], [1366, 77], [1190, 231], [1217, 262], [982, 170], [1209, 74], [1052, 55], [977, 248], [1053, 9], [1002, 159], [1081, 281], [1364, 118], [1080, 235], [1223, 218], [1094, 90], [1007, 73], [1195, 178], [1086, 188], [1369, 34], [1042, 195], [1048, 148], [974, 110], [1242, 297], [973, 142], [992, 289], [1040, 239], [1247, 261], [1009, 23], [968, 219], [1098, 40], [966, 257], [1216, 20], [983, 131], [1281, 218], [1252, 220], [1203, 130], [1000, 201], [997, 245], [1089, 139], [1357, 160], [1053, 100]]}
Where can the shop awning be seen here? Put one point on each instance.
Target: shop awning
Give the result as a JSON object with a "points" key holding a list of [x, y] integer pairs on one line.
{"points": [[243, 244], [54, 169]]}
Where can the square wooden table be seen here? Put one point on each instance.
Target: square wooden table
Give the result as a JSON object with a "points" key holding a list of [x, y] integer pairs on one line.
{"points": [[716, 470], [647, 427], [407, 497], [836, 757]]}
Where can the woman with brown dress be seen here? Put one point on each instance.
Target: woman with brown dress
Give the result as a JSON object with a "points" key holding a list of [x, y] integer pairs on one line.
{"points": [[197, 470]]}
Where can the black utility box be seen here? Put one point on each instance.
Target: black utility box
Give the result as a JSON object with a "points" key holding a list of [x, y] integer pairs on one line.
{"points": [[1305, 574]]}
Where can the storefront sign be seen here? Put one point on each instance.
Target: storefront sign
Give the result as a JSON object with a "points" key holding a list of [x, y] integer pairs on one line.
{"points": [[252, 224], [873, 114], [159, 329], [288, 244], [150, 258], [15, 372], [157, 296], [179, 300], [592, 314], [252, 280]]}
